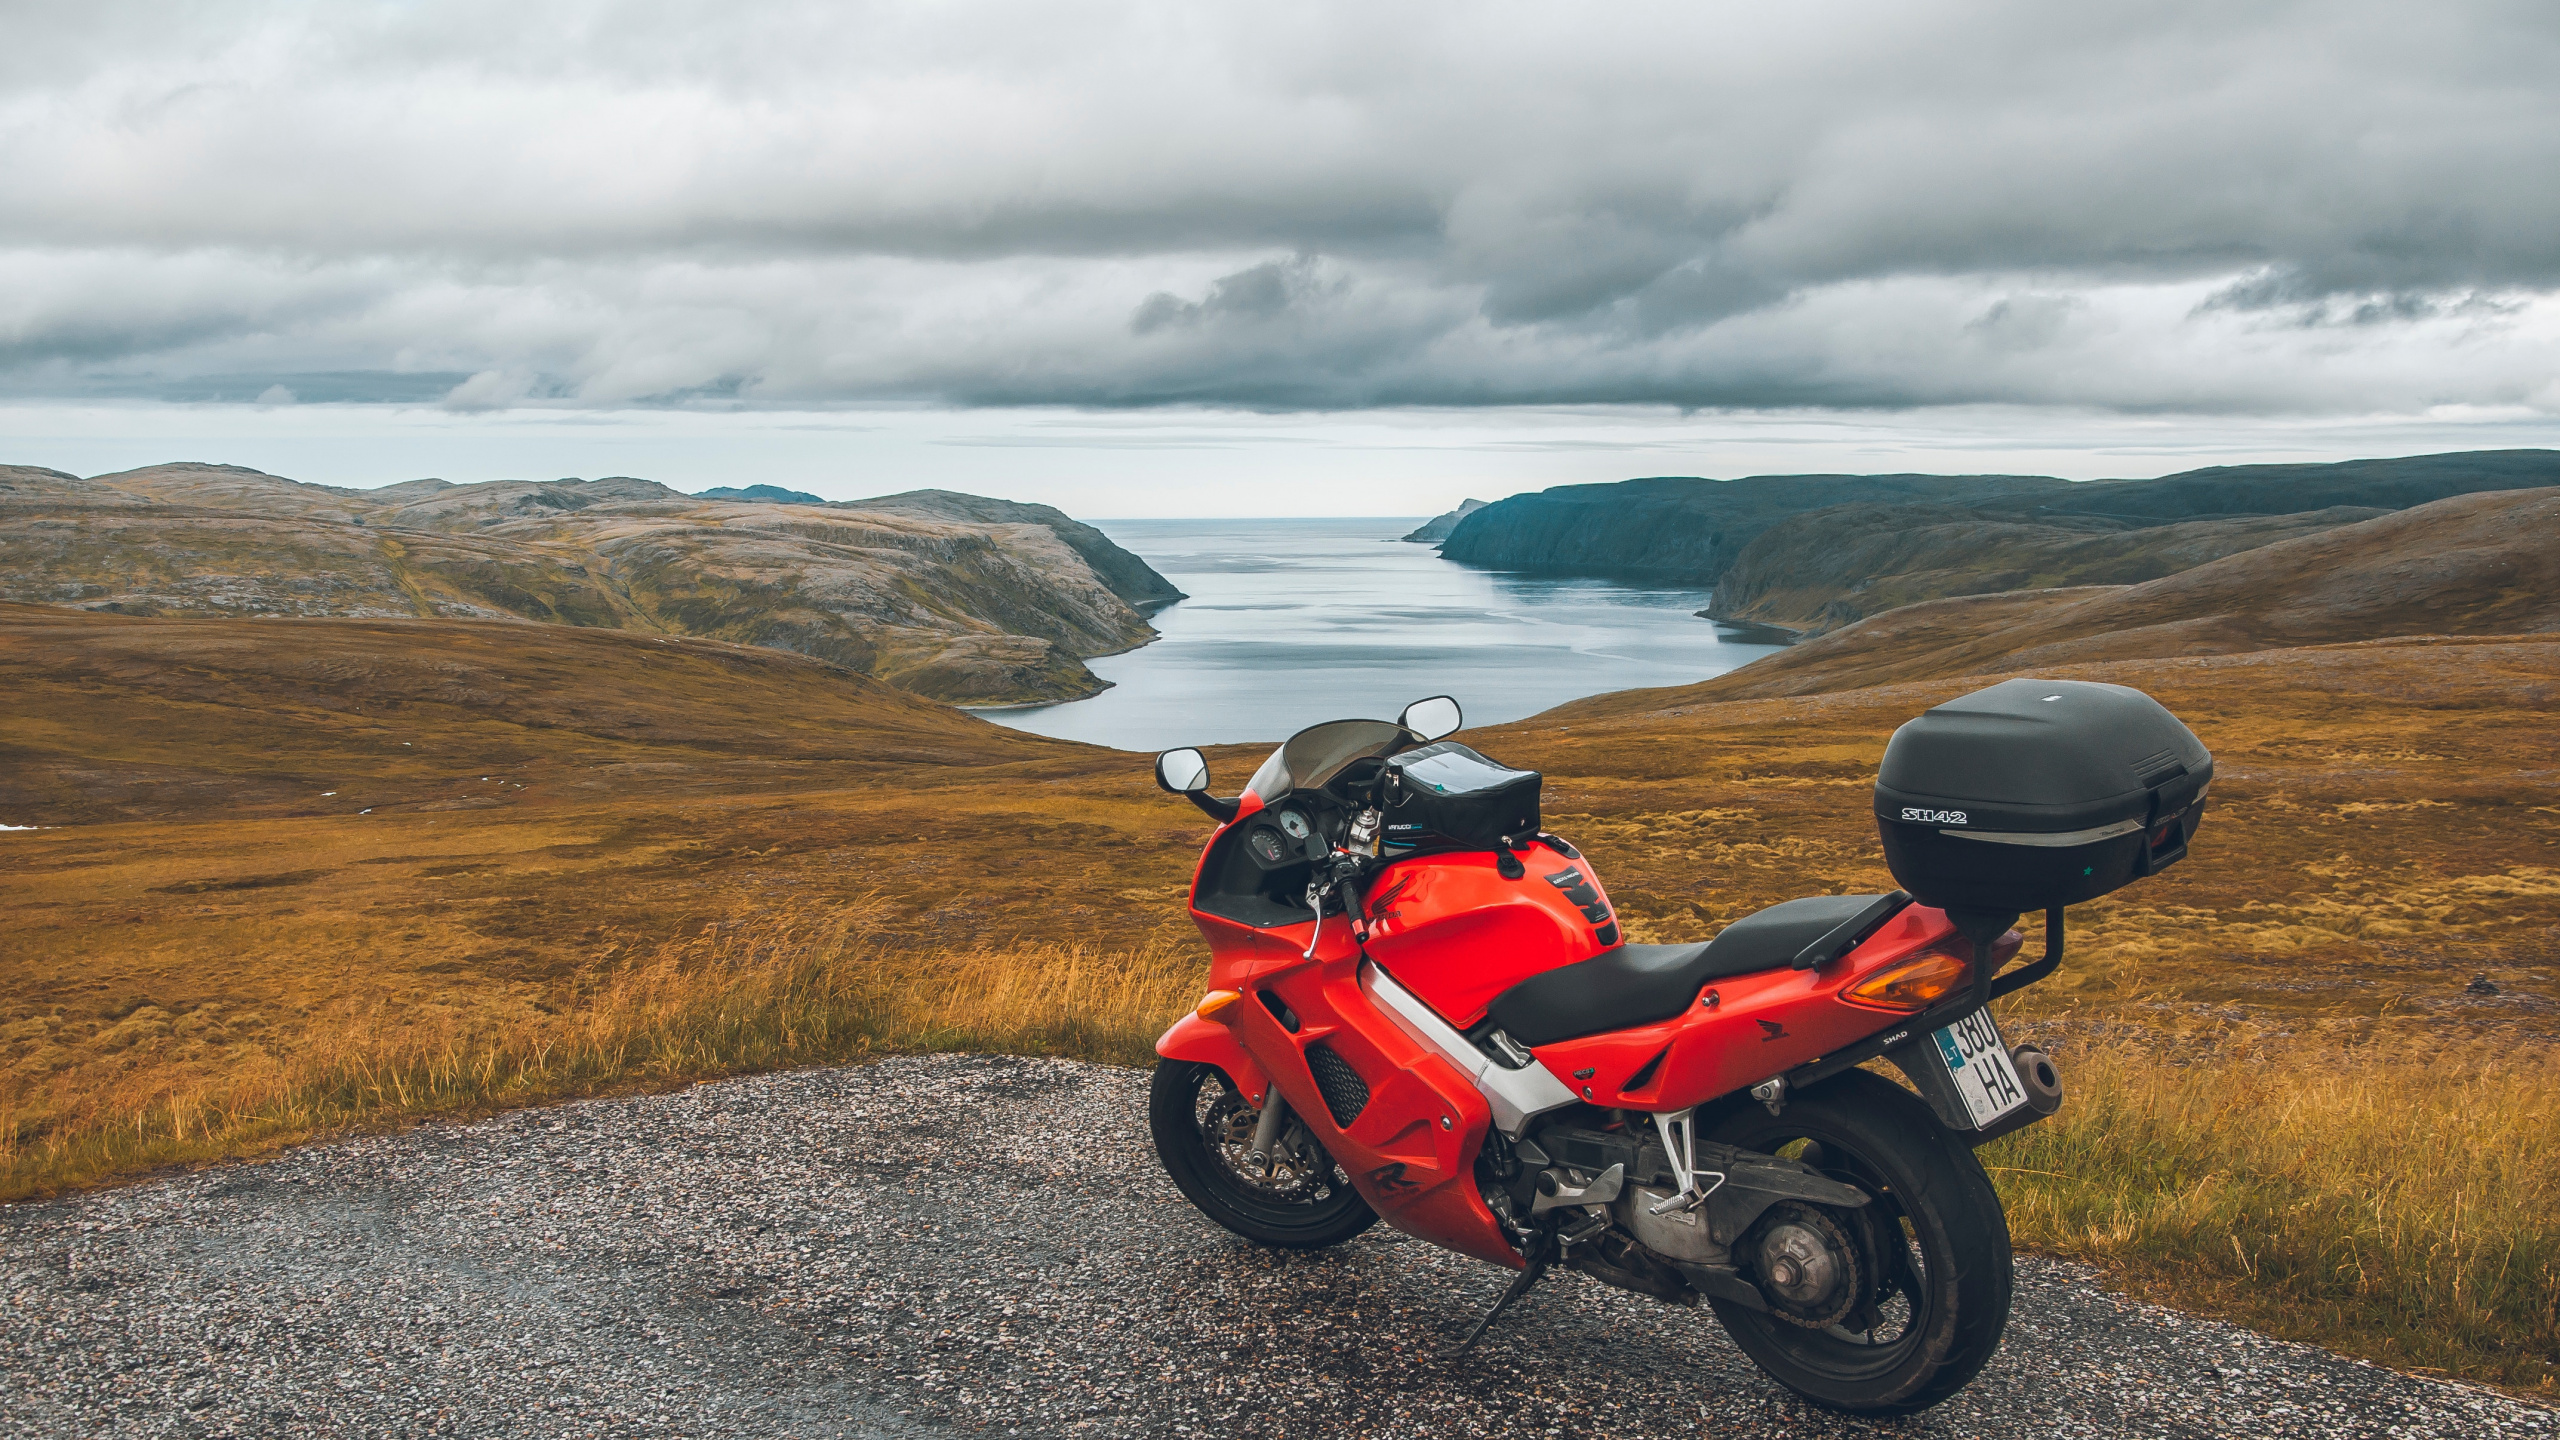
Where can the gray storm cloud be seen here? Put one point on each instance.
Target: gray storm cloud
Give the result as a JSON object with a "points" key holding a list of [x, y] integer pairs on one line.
{"points": [[2331, 207]]}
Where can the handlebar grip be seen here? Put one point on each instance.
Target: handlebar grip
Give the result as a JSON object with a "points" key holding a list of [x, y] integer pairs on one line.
{"points": [[1355, 906]]}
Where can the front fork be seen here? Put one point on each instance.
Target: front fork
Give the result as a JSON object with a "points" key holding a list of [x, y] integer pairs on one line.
{"points": [[1266, 1131]]}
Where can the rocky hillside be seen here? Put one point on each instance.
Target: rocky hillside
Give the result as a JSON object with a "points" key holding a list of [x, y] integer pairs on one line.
{"points": [[2486, 564], [1129, 577], [1690, 531], [1819, 571], [995, 609]]}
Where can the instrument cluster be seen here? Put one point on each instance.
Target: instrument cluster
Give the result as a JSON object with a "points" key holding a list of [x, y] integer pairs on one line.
{"points": [[1278, 838]]}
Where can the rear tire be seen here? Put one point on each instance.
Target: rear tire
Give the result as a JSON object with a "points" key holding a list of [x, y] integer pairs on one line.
{"points": [[1203, 1126], [1934, 1243]]}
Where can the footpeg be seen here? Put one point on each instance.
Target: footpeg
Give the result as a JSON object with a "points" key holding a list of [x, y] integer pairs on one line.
{"points": [[1584, 1225], [1554, 1193]]}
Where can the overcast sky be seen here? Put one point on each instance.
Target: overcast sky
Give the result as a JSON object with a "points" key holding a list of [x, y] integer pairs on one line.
{"points": [[1168, 258]]}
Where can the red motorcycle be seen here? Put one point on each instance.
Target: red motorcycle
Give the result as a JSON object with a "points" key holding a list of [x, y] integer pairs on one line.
{"points": [[1421, 1008]]}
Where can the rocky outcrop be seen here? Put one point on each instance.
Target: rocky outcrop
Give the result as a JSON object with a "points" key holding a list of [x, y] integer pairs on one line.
{"points": [[1437, 528], [958, 610], [1689, 531], [1129, 577]]}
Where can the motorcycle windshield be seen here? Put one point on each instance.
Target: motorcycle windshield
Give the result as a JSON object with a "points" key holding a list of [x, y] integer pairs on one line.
{"points": [[1316, 754]]}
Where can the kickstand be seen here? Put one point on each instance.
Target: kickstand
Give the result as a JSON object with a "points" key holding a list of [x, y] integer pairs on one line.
{"points": [[1542, 1253]]}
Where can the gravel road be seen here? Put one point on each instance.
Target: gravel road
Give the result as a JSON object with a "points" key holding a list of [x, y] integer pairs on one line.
{"points": [[950, 1243]]}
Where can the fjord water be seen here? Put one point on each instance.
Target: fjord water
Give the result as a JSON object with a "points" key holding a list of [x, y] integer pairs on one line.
{"points": [[1291, 622]]}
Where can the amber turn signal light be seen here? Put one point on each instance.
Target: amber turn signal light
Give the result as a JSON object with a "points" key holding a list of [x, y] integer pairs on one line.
{"points": [[1215, 1001], [1915, 984]]}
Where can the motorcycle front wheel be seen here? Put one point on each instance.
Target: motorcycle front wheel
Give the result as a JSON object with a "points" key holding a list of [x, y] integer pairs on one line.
{"points": [[1204, 1130], [1925, 1270]]}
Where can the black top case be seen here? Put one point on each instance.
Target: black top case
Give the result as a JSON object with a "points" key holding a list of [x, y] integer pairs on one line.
{"points": [[2038, 793]]}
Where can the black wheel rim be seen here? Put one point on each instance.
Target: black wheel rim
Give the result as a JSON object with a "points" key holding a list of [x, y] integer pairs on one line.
{"points": [[1893, 1317], [1302, 1185]]}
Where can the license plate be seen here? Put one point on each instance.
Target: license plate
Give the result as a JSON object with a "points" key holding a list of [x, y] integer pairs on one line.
{"points": [[1979, 1065]]}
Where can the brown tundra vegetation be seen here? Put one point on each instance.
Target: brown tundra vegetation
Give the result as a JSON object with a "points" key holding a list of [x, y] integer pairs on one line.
{"points": [[302, 875]]}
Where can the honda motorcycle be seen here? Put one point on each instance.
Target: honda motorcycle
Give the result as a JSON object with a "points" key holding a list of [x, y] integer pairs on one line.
{"points": [[1420, 1007]]}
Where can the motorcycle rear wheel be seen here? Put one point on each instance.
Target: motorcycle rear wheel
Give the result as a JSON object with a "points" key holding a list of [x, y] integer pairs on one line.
{"points": [[1935, 1243], [1194, 1111]]}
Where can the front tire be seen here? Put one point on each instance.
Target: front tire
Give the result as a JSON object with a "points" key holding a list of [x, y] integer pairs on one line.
{"points": [[1932, 1246], [1203, 1127]]}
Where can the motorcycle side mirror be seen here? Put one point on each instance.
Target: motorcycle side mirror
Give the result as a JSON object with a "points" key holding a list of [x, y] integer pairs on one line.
{"points": [[1186, 773], [1182, 771], [1432, 718]]}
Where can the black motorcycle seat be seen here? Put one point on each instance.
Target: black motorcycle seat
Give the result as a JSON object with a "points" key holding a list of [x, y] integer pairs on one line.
{"points": [[1640, 984]]}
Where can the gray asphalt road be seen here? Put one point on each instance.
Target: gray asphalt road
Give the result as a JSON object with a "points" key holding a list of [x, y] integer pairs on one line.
{"points": [[950, 1243]]}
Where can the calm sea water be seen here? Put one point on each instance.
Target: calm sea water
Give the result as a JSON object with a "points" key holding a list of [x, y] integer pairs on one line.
{"points": [[1292, 622]]}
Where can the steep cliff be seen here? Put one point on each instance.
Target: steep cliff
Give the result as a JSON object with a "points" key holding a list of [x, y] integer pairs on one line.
{"points": [[973, 612], [1689, 531], [1678, 531]]}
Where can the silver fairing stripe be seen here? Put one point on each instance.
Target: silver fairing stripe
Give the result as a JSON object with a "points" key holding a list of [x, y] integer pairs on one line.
{"points": [[1515, 1095]]}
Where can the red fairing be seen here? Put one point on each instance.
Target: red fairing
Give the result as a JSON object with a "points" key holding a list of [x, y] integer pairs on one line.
{"points": [[1450, 929], [1746, 1029], [1195, 1039], [1410, 1151]]}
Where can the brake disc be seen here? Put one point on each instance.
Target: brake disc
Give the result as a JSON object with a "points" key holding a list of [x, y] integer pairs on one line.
{"points": [[1229, 1128]]}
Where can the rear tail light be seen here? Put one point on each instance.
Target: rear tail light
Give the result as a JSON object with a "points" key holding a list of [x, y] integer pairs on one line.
{"points": [[1914, 984]]}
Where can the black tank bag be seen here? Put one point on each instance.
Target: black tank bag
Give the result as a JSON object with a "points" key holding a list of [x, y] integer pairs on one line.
{"points": [[1450, 791]]}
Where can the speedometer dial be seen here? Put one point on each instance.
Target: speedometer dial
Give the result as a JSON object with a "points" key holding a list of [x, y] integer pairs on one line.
{"points": [[1294, 823]]}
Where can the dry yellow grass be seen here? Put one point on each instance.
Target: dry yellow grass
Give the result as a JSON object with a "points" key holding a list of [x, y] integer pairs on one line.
{"points": [[793, 986], [2372, 1192], [2350, 1186]]}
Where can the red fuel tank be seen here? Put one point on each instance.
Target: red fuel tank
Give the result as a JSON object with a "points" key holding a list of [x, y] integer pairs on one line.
{"points": [[1452, 930]]}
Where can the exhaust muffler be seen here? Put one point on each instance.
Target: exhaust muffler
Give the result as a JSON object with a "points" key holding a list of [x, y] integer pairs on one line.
{"points": [[2039, 1077]]}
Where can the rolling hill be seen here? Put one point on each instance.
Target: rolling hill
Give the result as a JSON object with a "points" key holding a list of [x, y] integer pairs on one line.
{"points": [[961, 599], [2482, 564], [1816, 572]]}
